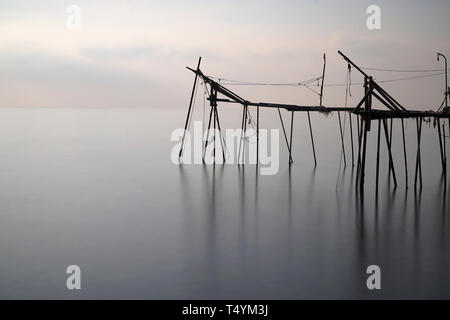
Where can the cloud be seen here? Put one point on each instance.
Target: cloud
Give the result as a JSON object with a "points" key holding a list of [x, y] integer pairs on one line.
{"points": [[58, 80]]}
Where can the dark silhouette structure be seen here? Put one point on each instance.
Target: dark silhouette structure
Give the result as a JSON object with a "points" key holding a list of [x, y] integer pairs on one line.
{"points": [[364, 112]]}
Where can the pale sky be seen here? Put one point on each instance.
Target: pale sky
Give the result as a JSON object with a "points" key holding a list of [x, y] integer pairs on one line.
{"points": [[134, 53]]}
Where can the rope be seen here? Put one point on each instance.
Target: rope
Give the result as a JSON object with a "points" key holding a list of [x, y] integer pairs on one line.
{"points": [[403, 70], [231, 82]]}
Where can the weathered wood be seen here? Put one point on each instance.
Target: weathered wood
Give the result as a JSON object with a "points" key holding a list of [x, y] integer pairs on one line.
{"points": [[189, 109], [351, 138], [378, 154], [404, 153], [342, 138], [285, 136], [388, 143], [312, 139]]}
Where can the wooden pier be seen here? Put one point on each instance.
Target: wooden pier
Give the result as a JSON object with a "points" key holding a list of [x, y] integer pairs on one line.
{"points": [[364, 112]]}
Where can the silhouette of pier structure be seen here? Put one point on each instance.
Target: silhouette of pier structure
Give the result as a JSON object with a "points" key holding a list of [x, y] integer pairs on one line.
{"points": [[365, 113]]}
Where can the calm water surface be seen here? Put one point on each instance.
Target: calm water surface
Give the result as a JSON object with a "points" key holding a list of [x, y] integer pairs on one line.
{"points": [[96, 188]]}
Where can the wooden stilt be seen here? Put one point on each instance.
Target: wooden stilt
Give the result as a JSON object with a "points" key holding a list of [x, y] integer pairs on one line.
{"points": [[222, 141], [189, 109], [290, 140], [358, 168], [440, 145], [351, 138], [404, 153], [207, 133], [312, 139], [285, 135], [445, 154], [418, 173], [364, 151], [245, 132], [342, 137], [242, 133], [257, 135], [388, 143], [214, 135], [378, 154]]}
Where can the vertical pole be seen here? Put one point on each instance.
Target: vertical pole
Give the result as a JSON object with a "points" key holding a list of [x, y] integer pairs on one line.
{"points": [[290, 140], [445, 154], [418, 174], [312, 139], [378, 154], [363, 162], [189, 109], [215, 118], [358, 169], [207, 133], [257, 135], [245, 132], [342, 137], [285, 135], [404, 153], [222, 140], [420, 152], [388, 143], [323, 77], [351, 138], [440, 145], [242, 133]]}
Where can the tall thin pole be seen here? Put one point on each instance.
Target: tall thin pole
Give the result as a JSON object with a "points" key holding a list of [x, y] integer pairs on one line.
{"points": [[312, 139], [323, 77], [440, 145], [290, 140], [445, 154], [404, 153], [190, 108], [446, 80], [418, 175], [364, 151], [351, 138], [242, 133], [378, 154], [447, 89], [257, 135], [342, 137], [214, 135], [388, 142], [285, 135]]}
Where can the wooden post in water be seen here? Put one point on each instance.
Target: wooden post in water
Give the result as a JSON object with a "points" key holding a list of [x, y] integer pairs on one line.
{"points": [[312, 139], [440, 145], [378, 154], [404, 153], [189, 109], [257, 135], [388, 143], [290, 140], [418, 173], [364, 151], [351, 138]]}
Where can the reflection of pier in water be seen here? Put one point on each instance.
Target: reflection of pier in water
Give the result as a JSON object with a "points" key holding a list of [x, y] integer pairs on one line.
{"points": [[385, 226]]}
